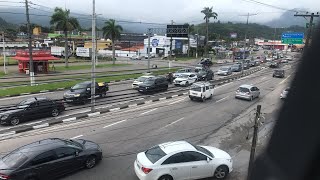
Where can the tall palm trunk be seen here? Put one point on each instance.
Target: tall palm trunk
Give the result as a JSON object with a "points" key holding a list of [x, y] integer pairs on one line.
{"points": [[66, 53], [207, 38], [113, 52]]}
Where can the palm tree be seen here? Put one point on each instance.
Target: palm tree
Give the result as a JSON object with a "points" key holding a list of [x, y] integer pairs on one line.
{"points": [[112, 30], [62, 21], [208, 13]]}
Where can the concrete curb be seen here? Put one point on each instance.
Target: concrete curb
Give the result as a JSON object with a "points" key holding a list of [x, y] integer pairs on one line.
{"points": [[10, 132]]}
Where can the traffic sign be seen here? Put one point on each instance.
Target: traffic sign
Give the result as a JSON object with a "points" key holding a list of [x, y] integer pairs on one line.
{"points": [[292, 41], [292, 38]]}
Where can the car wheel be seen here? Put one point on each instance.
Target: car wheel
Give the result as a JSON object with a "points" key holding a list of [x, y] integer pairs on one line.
{"points": [[55, 113], [14, 121], [210, 96], [221, 172], [166, 177], [203, 99], [91, 162], [251, 98]]}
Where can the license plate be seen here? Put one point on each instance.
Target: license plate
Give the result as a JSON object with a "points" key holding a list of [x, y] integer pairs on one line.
{"points": [[194, 93], [69, 100], [140, 90]]}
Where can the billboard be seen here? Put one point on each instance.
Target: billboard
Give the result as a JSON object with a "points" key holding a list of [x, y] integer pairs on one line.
{"points": [[177, 31]]}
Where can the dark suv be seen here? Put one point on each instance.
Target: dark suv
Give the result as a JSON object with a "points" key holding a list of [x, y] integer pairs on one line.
{"points": [[154, 84], [31, 109], [278, 73], [49, 159], [205, 74]]}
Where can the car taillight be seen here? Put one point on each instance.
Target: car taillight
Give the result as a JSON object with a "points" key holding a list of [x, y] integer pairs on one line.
{"points": [[146, 170], [4, 177]]}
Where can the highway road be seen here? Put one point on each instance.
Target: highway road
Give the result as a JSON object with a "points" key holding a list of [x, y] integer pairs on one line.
{"points": [[124, 133]]}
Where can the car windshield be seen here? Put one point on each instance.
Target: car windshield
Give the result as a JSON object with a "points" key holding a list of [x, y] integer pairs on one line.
{"points": [[25, 103], [73, 143], [203, 150], [142, 79], [224, 69], [235, 66], [242, 89], [149, 81], [195, 88], [14, 159], [79, 86], [184, 76], [181, 71], [154, 154]]}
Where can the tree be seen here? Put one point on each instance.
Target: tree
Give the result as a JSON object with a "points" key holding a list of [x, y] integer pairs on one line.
{"points": [[112, 30], [62, 21], [208, 13]]}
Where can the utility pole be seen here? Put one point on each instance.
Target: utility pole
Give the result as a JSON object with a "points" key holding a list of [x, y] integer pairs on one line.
{"points": [[170, 56], [148, 50], [312, 15], [31, 68], [93, 59], [189, 41], [197, 43], [4, 55], [245, 39], [254, 140]]}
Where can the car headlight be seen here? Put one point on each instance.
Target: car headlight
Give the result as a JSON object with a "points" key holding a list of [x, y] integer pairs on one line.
{"points": [[4, 117], [203, 75], [147, 87], [76, 95]]}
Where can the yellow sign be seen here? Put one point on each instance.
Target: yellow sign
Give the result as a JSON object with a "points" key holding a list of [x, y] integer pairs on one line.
{"points": [[36, 30]]}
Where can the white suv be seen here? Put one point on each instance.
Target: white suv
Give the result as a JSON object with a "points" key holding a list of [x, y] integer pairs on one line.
{"points": [[140, 80], [182, 160], [201, 91], [185, 79]]}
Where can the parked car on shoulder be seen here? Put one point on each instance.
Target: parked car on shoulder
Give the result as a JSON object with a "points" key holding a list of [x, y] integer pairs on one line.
{"points": [[181, 71], [248, 92], [140, 80], [81, 92], [182, 160], [205, 75], [49, 159], [284, 93], [236, 68], [30, 109], [224, 71], [201, 91], [278, 73], [185, 79], [157, 83]]}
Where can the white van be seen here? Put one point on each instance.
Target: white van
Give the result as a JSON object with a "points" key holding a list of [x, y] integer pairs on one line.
{"points": [[201, 91]]}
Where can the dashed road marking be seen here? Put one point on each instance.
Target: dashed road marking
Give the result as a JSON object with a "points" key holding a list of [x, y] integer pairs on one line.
{"points": [[76, 137], [284, 80], [222, 99], [148, 111], [177, 101], [173, 123], [114, 123]]}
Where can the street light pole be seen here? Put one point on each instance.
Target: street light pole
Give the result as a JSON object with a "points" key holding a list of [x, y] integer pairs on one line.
{"points": [[148, 50], [93, 59], [4, 55]]}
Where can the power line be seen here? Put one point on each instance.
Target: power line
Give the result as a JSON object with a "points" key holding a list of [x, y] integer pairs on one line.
{"points": [[271, 6]]}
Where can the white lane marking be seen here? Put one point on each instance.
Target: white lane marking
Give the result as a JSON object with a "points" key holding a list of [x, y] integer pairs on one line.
{"points": [[174, 95], [114, 109], [37, 122], [76, 137], [177, 101], [222, 99], [133, 105], [114, 123], [263, 78], [69, 119], [93, 114], [41, 126], [284, 80], [164, 98], [148, 111], [8, 134], [148, 102], [223, 85], [17, 97], [173, 123]]}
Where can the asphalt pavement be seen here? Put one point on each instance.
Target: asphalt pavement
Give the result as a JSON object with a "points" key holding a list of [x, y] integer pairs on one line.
{"points": [[124, 133]]}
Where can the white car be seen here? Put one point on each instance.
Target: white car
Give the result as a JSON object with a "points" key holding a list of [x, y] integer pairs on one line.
{"points": [[248, 92], [181, 71], [136, 57], [284, 93], [181, 160], [185, 79], [224, 71], [140, 80], [201, 91]]}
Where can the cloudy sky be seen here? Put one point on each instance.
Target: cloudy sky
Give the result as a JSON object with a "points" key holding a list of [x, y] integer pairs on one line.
{"points": [[163, 11]]}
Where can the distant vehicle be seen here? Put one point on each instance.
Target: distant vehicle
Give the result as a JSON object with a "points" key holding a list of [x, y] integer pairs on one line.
{"points": [[274, 64], [252, 63], [278, 73], [248, 92], [59, 51], [151, 56], [185, 79], [31, 109], [158, 83], [205, 75], [140, 80], [49, 159], [289, 58], [82, 52], [257, 62], [201, 91], [206, 62], [284, 93], [182, 160], [236, 68], [199, 68], [181, 71], [255, 49], [224, 71], [136, 57], [284, 61], [246, 66], [81, 92]]}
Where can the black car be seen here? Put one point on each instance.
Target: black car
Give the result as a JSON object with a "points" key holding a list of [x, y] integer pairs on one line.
{"points": [[278, 73], [252, 63], [205, 75], [49, 159], [274, 64], [31, 109], [81, 92], [206, 62], [236, 68], [154, 84]]}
